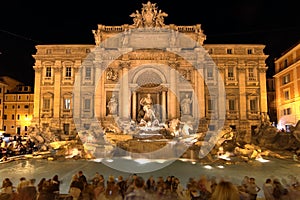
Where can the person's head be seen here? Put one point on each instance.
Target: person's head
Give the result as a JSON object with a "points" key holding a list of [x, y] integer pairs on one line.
{"points": [[75, 177], [139, 182], [32, 181], [268, 180], [252, 180], [225, 190], [55, 178], [120, 178]]}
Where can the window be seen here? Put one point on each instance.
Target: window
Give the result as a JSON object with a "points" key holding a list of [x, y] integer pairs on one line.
{"points": [[249, 51], [230, 73], [286, 95], [86, 126], [68, 71], [0, 90], [66, 129], [26, 106], [210, 73], [287, 111], [250, 72], [4, 116], [0, 101], [211, 127], [231, 104], [67, 104], [229, 51], [286, 79], [12, 116], [285, 65], [18, 117], [48, 72], [88, 73], [46, 103], [87, 104], [210, 105], [253, 105]]}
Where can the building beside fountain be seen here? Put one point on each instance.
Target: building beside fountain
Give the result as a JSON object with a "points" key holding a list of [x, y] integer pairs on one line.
{"points": [[287, 70], [225, 83]]}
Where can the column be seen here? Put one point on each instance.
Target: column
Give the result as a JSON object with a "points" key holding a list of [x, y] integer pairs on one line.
{"points": [[133, 109], [221, 98], [242, 93], [200, 94], [57, 90], [163, 106], [37, 92], [263, 90], [125, 92], [98, 102], [172, 95]]}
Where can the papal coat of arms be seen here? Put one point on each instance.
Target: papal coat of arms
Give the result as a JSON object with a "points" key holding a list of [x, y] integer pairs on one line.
{"points": [[149, 16]]}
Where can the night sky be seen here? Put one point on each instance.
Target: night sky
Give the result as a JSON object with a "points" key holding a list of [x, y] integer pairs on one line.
{"points": [[25, 24]]}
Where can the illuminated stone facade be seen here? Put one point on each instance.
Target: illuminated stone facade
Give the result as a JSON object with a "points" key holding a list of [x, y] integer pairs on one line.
{"points": [[287, 81], [125, 63], [18, 110], [6, 84]]}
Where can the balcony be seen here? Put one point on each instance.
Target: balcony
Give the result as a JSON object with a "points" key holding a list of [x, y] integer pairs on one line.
{"points": [[67, 113], [253, 115], [231, 115]]}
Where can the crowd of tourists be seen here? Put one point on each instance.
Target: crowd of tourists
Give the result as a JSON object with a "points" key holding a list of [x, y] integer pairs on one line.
{"points": [[135, 187], [16, 146]]}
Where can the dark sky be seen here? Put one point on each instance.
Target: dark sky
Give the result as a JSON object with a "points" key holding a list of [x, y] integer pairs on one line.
{"points": [[25, 24]]}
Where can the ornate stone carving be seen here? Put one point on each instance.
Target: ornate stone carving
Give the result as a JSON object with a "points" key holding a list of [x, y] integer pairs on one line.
{"points": [[185, 75], [149, 16], [97, 36], [111, 75]]}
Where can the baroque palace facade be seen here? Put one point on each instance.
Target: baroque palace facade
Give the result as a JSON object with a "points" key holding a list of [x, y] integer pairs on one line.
{"points": [[225, 83]]}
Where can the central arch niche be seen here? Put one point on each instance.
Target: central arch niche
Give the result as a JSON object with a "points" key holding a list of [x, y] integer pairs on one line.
{"points": [[149, 80]]}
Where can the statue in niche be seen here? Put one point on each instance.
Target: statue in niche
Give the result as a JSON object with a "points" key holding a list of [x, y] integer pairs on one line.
{"points": [[186, 105], [149, 118], [112, 105]]}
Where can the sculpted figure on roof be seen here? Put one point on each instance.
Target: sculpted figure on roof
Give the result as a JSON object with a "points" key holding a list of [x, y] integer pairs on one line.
{"points": [[149, 16]]}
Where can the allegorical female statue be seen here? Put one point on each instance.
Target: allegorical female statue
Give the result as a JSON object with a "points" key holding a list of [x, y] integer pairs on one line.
{"points": [[186, 105], [112, 105]]}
